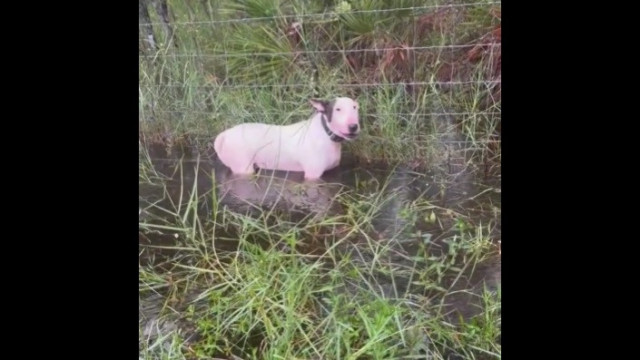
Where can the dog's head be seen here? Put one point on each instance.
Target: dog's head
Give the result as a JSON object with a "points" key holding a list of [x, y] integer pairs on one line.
{"points": [[341, 116]]}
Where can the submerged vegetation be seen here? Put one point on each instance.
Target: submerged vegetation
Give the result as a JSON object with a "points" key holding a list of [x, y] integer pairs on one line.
{"points": [[391, 275], [392, 268]]}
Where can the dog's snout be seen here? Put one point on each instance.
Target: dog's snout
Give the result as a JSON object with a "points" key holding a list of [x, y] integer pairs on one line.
{"points": [[353, 128]]}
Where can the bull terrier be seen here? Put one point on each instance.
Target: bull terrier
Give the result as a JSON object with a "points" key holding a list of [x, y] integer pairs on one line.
{"points": [[312, 146]]}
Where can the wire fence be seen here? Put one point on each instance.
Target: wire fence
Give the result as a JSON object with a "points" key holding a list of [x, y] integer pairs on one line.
{"points": [[377, 84], [430, 114], [344, 51], [330, 14], [195, 86]]}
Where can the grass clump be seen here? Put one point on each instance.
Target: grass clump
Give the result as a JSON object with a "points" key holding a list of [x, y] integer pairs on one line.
{"points": [[273, 286], [420, 70], [385, 273]]}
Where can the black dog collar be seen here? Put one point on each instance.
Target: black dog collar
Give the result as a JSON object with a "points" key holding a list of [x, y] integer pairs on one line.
{"points": [[331, 134]]}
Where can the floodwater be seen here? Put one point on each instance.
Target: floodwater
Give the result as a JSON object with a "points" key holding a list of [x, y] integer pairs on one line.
{"points": [[453, 188]]}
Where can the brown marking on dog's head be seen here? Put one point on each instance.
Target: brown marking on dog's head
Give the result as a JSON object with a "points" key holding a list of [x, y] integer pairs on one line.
{"points": [[342, 116]]}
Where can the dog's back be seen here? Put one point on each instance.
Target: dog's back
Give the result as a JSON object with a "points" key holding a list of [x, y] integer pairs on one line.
{"points": [[244, 145]]}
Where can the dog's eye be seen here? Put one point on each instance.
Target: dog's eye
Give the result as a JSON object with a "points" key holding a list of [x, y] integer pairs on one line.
{"points": [[354, 106], [338, 109]]}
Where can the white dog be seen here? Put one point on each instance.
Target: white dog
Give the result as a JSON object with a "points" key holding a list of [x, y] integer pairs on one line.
{"points": [[311, 146]]}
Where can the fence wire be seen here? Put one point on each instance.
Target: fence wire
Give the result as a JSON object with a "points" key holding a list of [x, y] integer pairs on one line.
{"points": [[327, 14]]}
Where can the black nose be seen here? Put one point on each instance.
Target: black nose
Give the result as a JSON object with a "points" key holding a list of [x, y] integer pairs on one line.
{"points": [[353, 128]]}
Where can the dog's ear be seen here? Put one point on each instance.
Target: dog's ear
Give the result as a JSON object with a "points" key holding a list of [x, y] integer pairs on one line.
{"points": [[319, 105]]}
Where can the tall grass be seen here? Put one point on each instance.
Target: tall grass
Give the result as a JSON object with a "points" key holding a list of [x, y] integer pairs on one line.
{"points": [[406, 61], [271, 284]]}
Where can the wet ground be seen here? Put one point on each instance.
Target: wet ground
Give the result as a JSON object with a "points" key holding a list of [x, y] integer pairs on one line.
{"points": [[452, 192]]}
